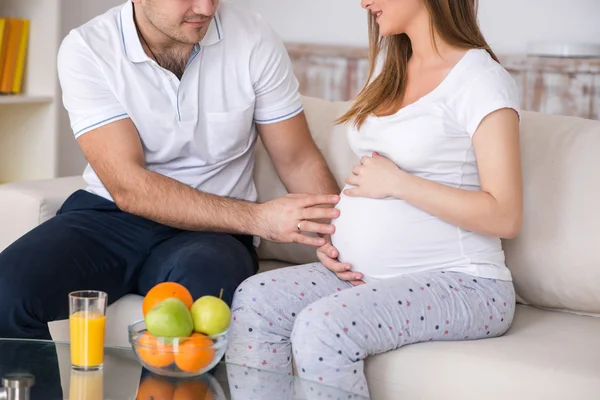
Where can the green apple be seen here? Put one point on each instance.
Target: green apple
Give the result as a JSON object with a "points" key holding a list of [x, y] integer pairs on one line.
{"points": [[170, 318], [211, 315]]}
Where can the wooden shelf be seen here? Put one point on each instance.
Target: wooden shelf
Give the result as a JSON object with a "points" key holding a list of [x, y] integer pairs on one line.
{"points": [[22, 99]]}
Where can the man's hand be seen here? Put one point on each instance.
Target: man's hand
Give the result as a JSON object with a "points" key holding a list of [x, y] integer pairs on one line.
{"points": [[328, 255], [285, 219]]}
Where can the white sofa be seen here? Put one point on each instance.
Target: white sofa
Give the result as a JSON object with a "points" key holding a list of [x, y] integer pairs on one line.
{"points": [[552, 350]]}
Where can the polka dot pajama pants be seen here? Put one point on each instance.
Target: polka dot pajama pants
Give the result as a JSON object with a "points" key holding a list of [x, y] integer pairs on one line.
{"points": [[330, 327]]}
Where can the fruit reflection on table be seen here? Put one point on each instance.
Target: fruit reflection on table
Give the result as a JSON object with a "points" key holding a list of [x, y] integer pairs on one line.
{"points": [[180, 337], [154, 387]]}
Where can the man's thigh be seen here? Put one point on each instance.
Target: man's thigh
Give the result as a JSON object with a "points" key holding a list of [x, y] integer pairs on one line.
{"points": [[203, 262]]}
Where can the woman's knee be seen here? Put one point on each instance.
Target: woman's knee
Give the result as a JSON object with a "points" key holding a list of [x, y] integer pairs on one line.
{"points": [[316, 327], [252, 296]]}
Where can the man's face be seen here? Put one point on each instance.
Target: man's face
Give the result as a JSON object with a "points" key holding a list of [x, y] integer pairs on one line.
{"points": [[184, 21]]}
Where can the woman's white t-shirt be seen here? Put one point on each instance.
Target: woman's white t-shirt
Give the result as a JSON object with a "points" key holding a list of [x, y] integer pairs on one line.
{"points": [[432, 139]]}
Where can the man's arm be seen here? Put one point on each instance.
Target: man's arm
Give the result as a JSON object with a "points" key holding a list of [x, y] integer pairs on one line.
{"points": [[297, 160], [115, 153]]}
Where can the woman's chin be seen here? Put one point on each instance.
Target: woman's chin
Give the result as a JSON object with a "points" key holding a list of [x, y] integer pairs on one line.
{"points": [[386, 32]]}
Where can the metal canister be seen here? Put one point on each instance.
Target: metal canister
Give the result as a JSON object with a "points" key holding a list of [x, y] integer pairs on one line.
{"points": [[16, 387]]}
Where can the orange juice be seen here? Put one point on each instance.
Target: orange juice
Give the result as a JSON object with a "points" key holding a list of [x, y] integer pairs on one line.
{"points": [[87, 338]]}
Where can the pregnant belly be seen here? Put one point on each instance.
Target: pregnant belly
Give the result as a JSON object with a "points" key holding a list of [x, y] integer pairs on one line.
{"points": [[389, 237]]}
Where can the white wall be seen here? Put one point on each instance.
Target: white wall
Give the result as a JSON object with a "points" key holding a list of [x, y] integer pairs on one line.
{"points": [[507, 24]]}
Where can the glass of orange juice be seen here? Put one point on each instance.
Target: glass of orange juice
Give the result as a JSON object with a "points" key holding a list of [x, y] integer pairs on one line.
{"points": [[87, 321]]}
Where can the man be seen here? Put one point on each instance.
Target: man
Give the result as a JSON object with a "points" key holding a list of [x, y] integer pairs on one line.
{"points": [[166, 98]]}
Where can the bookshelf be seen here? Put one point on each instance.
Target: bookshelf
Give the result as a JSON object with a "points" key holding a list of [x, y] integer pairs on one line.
{"points": [[30, 121]]}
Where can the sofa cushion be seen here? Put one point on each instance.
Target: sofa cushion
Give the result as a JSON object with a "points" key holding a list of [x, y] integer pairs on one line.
{"points": [[25, 205], [333, 144], [555, 260], [267, 265], [544, 355]]}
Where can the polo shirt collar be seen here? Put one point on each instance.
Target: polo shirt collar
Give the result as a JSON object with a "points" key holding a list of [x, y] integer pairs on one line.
{"points": [[131, 41]]}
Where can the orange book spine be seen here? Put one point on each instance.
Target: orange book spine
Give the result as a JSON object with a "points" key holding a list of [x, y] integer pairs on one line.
{"points": [[21, 56], [4, 28], [12, 52]]}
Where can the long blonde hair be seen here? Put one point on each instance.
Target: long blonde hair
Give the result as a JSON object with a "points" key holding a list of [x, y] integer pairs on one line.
{"points": [[455, 21]]}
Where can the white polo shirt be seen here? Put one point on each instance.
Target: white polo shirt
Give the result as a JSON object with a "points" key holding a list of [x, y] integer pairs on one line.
{"points": [[201, 130]]}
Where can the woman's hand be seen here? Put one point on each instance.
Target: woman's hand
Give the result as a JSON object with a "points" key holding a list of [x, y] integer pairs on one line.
{"points": [[377, 177], [328, 256]]}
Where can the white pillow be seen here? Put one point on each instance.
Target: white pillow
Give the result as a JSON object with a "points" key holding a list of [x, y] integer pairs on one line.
{"points": [[555, 261]]}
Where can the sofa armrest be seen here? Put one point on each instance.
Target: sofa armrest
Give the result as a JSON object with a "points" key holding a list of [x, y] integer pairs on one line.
{"points": [[25, 205]]}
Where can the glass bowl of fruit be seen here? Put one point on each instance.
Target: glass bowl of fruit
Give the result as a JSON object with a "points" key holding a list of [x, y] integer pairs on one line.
{"points": [[177, 356], [178, 337]]}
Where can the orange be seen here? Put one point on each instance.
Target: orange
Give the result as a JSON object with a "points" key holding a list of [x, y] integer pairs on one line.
{"points": [[163, 291], [152, 388], [195, 353], [155, 352], [193, 390]]}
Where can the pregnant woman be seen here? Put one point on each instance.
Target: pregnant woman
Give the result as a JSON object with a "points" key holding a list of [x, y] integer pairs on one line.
{"points": [[416, 253]]}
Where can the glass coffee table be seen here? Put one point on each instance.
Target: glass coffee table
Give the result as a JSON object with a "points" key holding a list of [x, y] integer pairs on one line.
{"points": [[46, 366]]}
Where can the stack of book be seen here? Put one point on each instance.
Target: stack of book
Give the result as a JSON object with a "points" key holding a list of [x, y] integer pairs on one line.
{"points": [[14, 35]]}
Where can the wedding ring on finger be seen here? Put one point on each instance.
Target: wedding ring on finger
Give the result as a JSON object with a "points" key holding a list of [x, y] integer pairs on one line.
{"points": [[299, 229]]}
